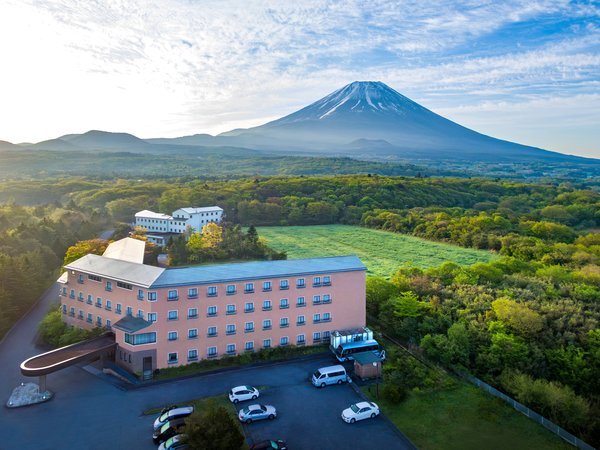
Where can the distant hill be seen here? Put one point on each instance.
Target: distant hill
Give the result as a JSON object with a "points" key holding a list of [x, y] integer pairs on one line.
{"points": [[5, 145]]}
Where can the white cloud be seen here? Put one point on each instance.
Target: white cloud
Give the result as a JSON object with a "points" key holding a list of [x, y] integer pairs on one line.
{"points": [[175, 67]]}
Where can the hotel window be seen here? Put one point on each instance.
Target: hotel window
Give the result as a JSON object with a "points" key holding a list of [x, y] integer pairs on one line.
{"points": [[212, 291], [64, 292], [151, 317], [326, 335], [249, 288], [249, 327], [327, 281], [151, 296], [211, 311], [230, 309], [173, 315], [89, 299], [172, 295], [193, 293], [249, 307], [267, 305], [266, 286], [72, 293], [98, 320], [80, 279], [94, 278], [300, 320], [317, 318], [118, 308], [192, 333], [316, 299], [192, 313], [300, 340], [109, 286], [267, 324], [284, 303], [284, 322], [89, 318], [230, 329], [124, 286], [283, 341], [230, 289], [108, 305], [172, 358], [192, 355], [108, 324], [300, 302], [316, 281], [140, 294], [317, 336], [300, 283], [211, 352], [129, 311], [99, 302], [72, 312], [284, 284], [80, 315], [230, 349], [172, 335], [266, 343], [327, 298], [326, 317], [212, 331], [249, 346]]}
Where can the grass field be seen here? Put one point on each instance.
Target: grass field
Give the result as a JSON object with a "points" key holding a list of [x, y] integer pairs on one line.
{"points": [[381, 251], [463, 418]]}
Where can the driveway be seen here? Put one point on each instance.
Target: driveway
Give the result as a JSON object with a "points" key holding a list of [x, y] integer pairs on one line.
{"points": [[89, 413]]}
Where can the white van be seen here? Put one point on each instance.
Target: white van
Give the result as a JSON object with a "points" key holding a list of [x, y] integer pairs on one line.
{"points": [[329, 375]]}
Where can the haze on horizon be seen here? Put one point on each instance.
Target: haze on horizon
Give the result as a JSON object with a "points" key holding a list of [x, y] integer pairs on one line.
{"points": [[524, 71]]}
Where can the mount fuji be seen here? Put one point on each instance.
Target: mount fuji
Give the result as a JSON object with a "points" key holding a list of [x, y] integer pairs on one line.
{"points": [[368, 118]]}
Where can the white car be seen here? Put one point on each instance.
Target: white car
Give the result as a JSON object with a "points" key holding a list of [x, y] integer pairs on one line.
{"points": [[241, 393], [257, 412], [176, 442], [360, 411], [170, 414]]}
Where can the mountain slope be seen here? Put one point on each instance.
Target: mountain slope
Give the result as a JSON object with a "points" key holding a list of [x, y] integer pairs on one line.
{"points": [[370, 111]]}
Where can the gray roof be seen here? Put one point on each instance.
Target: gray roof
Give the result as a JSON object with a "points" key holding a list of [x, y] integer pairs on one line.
{"points": [[366, 358], [130, 324], [195, 210], [139, 274], [220, 273]]}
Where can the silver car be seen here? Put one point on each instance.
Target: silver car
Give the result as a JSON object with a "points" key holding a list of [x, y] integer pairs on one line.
{"points": [[170, 414], [257, 412]]}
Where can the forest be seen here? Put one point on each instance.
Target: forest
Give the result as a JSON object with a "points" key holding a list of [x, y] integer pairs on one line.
{"points": [[526, 322]]}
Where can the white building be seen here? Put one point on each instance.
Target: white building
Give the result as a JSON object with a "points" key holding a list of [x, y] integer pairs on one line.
{"points": [[160, 226]]}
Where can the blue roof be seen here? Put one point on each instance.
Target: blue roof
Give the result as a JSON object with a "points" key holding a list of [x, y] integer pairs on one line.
{"points": [[221, 273]]}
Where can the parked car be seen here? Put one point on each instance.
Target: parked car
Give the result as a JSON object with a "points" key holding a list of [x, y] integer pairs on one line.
{"points": [[270, 444], [175, 413], [241, 393], [257, 412], [360, 411], [168, 430], [174, 443], [329, 375]]}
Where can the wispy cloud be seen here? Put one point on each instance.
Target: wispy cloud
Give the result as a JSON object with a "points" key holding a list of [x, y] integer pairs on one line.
{"points": [[175, 67]]}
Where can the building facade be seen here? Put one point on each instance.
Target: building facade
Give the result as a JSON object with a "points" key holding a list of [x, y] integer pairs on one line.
{"points": [[169, 317], [160, 226]]}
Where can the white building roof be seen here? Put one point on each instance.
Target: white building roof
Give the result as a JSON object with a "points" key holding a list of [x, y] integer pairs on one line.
{"points": [[200, 210], [125, 271], [127, 249], [152, 215]]}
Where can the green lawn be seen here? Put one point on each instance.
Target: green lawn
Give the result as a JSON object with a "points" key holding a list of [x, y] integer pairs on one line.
{"points": [[463, 418], [381, 251]]}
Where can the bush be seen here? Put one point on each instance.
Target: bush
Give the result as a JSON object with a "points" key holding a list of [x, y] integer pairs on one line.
{"points": [[394, 393], [53, 331], [213, 428]]}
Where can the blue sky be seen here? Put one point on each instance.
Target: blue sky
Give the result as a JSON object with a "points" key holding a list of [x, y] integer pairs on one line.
{"points": [[526, 71]]}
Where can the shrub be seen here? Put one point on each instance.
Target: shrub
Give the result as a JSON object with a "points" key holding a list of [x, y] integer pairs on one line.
{"points": [[394, 393]]}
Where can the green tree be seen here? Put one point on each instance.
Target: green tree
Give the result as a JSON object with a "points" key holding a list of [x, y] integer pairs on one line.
{"points": [[518, 316], [82, 248], [213, 428]]}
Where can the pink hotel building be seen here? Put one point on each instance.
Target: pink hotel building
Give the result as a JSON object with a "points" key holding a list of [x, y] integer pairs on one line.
{"points": [[174, 316]]}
